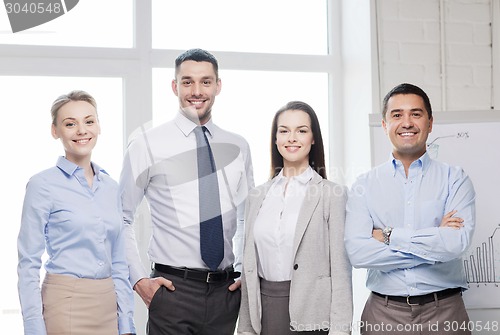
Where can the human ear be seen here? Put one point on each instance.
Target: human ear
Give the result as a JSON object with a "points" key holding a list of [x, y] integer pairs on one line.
{"points": [[53, 131], [174, 87]]}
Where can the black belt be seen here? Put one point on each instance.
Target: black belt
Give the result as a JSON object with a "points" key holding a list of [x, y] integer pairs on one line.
{"points": [[422, 299], [199, 275]]}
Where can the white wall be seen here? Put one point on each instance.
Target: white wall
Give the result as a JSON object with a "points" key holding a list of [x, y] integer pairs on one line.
{"points": [[357, 51], [444, 46]]}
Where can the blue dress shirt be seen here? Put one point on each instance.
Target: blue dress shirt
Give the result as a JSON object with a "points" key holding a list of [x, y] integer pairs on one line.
{"points": [[80, 228], [421, 257]]}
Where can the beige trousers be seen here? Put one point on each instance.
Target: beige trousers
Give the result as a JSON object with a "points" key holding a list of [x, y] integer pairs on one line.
{"points": [[76, 306], [440, 317]]}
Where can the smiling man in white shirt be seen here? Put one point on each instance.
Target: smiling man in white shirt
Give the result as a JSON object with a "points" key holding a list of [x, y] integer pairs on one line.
{"points": [[185, 294]]}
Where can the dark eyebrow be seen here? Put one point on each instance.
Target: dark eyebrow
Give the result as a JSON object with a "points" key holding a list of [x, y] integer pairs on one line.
{"points": [[297, 127], [398, 110], [202, 78]]}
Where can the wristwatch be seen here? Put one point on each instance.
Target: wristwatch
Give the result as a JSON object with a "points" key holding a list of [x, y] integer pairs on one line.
{"points": [[386, 232]]}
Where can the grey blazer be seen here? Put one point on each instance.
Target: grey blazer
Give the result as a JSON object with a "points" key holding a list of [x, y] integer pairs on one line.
{"points": [[321, 285]]}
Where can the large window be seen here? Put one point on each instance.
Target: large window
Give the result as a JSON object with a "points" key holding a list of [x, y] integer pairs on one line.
{"points": [[278, 26], [91, 23]]}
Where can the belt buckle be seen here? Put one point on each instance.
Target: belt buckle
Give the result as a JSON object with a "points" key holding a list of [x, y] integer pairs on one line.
{"points": [[208, 277], [408, 301]]}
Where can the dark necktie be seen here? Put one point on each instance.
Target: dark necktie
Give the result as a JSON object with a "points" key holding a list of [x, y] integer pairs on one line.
{"points": [[211, 234]]}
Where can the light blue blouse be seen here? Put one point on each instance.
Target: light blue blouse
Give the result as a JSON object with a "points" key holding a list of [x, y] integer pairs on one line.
{"points": [[80, 228]]}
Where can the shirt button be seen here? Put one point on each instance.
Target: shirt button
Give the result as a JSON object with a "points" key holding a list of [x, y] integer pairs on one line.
{"points": [[296, 266]]}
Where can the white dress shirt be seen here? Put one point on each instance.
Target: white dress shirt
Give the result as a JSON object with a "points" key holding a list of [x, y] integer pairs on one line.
{"points": [[275, 224], [160, 165]]}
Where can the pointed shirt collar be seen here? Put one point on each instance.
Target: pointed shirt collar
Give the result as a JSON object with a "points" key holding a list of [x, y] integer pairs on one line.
{"points": [[187, 126], [424, 161], [69, 167]]}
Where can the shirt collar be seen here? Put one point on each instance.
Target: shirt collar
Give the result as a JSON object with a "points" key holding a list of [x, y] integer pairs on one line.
{"points": [[423, 161], [70, 168], [303, 178], [187, 126]]}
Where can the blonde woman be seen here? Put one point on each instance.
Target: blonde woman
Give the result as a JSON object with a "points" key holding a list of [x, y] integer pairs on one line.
{"points": [[73, 212]]}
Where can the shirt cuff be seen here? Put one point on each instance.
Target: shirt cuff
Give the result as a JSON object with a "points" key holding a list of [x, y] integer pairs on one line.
{"points": [[34, 326], [126, 325], [400, 240]]}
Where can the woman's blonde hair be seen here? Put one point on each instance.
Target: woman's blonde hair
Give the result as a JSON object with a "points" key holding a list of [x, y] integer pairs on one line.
{"points": [[76, 95]]}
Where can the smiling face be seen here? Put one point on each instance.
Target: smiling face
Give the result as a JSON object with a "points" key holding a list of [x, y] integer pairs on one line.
{"points": [[294, 139], [196, 85], [408, 125], [78, 128]]}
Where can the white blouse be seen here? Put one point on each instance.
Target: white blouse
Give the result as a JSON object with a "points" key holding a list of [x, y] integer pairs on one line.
{"points": [[274, 228]]}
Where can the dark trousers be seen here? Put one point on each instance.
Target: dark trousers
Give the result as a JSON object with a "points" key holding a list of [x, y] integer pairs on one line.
{"points": [[193, 308], [275, 299], [445, 316]]}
